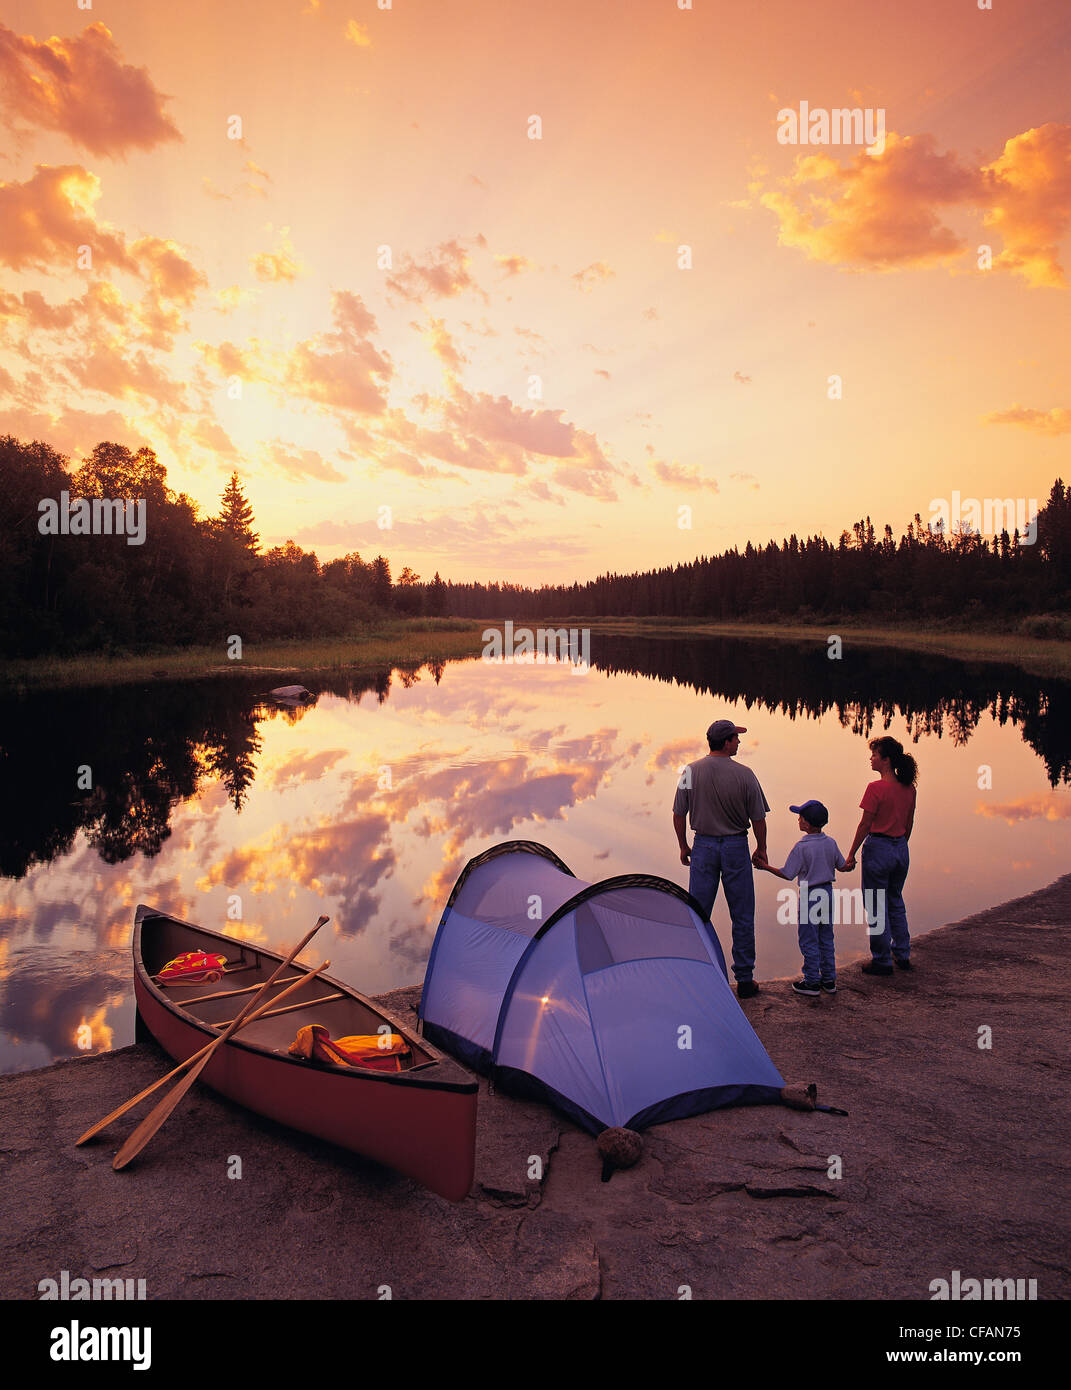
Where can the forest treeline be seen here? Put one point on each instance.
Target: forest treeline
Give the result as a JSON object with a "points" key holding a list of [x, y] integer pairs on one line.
{"points": [[197, 579]]}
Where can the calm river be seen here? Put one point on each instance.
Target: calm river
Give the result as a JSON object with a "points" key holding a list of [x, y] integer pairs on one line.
{"points": [[208, 801]]}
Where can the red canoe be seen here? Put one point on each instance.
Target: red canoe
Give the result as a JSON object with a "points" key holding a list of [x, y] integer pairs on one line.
{"points": [[420, 1120]]}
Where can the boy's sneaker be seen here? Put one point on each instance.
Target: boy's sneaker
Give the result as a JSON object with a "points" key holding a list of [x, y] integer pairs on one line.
{"points": [[828, 986], [746, 988], [802, 987], [873, 968]]}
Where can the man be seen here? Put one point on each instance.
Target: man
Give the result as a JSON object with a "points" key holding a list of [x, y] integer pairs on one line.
{"points": [[723, 797]]}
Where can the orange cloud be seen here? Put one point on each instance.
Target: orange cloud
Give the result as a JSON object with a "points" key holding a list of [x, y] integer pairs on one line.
{"points": [[1045, 806], [682, 475], [881, 212], [304, 463], [443, 346], [878, 211], [591, 275], [1030, 185], [274, 266], [109, 370], [211, 435], [1048, 422], [444, 277], [344, 376], [44, 221], [515, 265], [357, 34], [82, 88]]}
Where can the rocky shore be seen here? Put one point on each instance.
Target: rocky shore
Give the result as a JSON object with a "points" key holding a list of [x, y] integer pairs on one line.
{"points": [[952, 1157]]}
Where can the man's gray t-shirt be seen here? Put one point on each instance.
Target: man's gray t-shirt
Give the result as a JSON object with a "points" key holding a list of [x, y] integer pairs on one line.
{"points": [[722, 795]]}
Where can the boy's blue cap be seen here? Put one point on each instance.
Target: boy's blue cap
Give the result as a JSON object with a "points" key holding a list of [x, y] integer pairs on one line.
{"points": [[813, 812]]}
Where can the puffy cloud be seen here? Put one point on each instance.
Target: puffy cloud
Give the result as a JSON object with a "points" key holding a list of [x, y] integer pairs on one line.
{"points": [[1050, 422], [341, 370], [108, 370], [274, 266], [592, 275], [515, 265], [44, 220], [443, 277], [685, 476], [168, 271], [1050, 806], [210, 434], [882, 212], [74, 432], [81, 87], [1030, 190], [228, 359], [357, 34], [877, 212], [301, 463], [444, 347]]}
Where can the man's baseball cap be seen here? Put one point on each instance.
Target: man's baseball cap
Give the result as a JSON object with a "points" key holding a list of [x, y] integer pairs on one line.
{"points": [[813, 812], [723, 728]]}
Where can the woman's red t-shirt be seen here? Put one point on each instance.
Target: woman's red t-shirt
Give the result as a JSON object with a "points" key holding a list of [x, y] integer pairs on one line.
{"points": [[891, 803]]}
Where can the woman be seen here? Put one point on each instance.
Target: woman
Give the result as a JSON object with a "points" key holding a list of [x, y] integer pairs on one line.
{"points": [[888, 816]]}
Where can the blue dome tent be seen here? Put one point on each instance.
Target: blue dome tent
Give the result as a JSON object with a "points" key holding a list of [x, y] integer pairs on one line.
{"points": [[610, 1000]]}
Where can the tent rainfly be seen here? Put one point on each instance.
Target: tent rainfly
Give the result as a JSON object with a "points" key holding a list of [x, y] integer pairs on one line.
{"points": [[609, 1000]]}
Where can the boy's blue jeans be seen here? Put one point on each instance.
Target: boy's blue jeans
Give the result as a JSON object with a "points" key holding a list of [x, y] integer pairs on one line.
{"points": [[816, 932], [884, 864], [726, 859]]}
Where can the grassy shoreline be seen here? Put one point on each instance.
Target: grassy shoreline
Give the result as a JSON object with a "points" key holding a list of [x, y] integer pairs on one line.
{"points": [[1040, 656], [411, 643]]}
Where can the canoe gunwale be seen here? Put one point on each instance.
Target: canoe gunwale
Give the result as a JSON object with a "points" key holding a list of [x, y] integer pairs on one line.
{"points": [[418, 1081]]}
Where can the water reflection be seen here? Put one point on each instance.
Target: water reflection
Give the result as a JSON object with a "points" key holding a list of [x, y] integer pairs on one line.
{"points": [[208, 800]]}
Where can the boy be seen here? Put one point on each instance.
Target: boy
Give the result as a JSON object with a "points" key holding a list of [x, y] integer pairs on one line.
{"points": [[812, 861]]}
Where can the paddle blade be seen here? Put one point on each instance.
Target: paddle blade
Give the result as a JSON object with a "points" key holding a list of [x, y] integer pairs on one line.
{"points": [[156, 1117], [94, 1130]]}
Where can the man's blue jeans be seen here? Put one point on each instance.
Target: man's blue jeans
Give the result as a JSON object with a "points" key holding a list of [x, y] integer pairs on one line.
{"points": [[884, 865], [726, 859]]}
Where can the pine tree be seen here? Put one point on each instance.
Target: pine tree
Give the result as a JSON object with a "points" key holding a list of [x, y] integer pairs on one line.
{"points": [[236, 516]]}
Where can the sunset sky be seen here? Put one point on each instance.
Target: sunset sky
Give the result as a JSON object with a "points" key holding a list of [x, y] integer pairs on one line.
{"points": [[256, 260]]}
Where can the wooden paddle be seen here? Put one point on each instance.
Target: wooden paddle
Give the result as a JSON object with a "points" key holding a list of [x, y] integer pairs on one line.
{"points": [[135, 1100], [156, 1117]]}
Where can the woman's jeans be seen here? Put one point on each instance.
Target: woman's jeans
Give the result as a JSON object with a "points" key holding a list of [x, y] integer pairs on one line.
{"points": [[884, 864], [727, 859]]}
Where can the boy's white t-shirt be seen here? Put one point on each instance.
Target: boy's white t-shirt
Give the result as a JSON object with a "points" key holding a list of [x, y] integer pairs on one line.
{"points": [[814, 859]]}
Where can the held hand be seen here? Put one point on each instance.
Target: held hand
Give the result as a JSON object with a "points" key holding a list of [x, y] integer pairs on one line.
{"points": [[686, 855], [849, 864], [759, 859]]}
